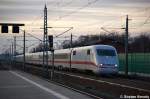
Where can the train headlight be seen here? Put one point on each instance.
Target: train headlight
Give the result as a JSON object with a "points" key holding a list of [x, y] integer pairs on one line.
{"points": [[101, 64], [116, 65]]}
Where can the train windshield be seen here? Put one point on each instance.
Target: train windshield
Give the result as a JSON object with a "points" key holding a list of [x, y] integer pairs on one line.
{"points": [[106, 52]]}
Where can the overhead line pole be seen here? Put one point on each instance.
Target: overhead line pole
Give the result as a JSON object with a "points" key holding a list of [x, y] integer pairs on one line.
{"points": [[45, 41], [12, 49], [10, 57], [70, 50], [14, 45], [24, 50], [126, 47], [14, 59]]}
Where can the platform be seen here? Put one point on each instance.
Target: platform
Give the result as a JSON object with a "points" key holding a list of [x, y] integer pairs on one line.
{"points": [[20, 85]]}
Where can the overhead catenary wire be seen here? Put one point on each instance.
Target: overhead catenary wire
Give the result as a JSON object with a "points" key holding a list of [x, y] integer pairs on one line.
{"points": [[146, 20], [76, 11], [68, 3], [143, 23]]}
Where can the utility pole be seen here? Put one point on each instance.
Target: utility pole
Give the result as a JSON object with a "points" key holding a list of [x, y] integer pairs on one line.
{"points": [[24, 50], [126, 47], [45, 41]]}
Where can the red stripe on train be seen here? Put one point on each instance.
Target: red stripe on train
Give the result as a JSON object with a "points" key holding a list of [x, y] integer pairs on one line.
{"points": [[77, 62], [73, 62]]}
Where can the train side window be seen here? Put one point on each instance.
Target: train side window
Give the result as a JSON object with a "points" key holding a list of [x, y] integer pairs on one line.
{"points": [[88, 52], [74, 52]]}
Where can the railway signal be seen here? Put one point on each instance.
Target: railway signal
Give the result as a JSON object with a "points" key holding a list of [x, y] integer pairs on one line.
{"points": [[50, 39], [4, 29], [15, 27]]}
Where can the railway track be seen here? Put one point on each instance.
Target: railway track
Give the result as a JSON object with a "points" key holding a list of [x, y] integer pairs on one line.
{"points": [[106, 89], [97, 87], [129, 82], [100, 80]]}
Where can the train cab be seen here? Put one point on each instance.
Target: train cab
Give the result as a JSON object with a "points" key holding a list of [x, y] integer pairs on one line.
{"points": [[106, 59]]}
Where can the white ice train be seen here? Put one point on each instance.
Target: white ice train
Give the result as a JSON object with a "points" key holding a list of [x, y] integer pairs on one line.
{"points": [[101, 59]]}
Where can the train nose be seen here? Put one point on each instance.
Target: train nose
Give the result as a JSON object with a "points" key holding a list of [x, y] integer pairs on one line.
{"points": [[108, 68]]}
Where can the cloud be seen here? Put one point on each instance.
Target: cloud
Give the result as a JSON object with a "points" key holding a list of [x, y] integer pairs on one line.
{"points": [[107, 13]]}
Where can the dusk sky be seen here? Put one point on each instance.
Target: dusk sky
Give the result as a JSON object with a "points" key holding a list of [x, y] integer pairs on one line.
{"points": [[85, 16]]}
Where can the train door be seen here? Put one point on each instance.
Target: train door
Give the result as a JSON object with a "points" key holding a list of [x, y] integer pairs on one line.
{"points": [[73, 58], [88, 58]]}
